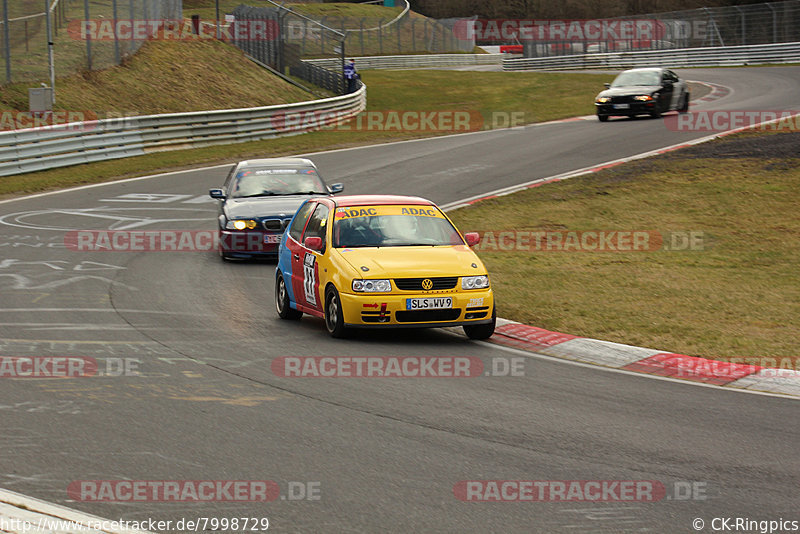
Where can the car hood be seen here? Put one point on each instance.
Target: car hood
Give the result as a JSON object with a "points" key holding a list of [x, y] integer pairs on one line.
{"points": [[250, 208], [630, 90], [413, 262]]}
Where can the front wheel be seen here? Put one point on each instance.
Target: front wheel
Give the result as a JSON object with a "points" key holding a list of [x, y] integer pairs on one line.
{"points": [[685, 104], [602, 118], [334, 318], [656, 113], [481, 331], [282, 301]]}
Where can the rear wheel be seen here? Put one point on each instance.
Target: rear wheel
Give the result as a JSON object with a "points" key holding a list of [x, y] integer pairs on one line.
{"points": [[282, 301], [481, 331], [334, 318]]}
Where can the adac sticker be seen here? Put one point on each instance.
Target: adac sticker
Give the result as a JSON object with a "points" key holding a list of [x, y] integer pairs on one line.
{"points": [[372, 211]]}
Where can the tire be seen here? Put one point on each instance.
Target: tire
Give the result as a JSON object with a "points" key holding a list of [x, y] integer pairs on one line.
{"points": [[481, 331], [334, 318], [656, 113], [685, 104], [602, 118], [282, 302]]}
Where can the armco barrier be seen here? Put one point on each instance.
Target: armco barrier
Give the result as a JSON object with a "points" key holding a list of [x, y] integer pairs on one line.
{"points": [[686, 57], [413, 61], [47, 147]]}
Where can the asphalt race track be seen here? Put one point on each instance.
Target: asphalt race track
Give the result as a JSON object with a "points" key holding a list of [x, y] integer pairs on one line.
{"points": [[376, 454]]}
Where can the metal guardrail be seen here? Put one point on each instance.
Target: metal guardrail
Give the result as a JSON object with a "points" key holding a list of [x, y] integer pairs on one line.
{"points": [[61, 145], [687, 57], [415, 61]]}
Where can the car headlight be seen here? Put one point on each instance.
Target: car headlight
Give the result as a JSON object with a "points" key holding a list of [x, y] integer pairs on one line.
{"points": [[241, 224], [603, 99], [475, 282], [643, 98], [372, 286]]}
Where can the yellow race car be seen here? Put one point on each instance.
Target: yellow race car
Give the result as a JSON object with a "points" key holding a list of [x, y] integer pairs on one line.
{"points": [[381, 261]]}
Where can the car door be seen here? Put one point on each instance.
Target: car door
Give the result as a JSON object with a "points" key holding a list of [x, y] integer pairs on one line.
{"points": [[666, 93], [308, 292], [292, 267], [677, 91]]}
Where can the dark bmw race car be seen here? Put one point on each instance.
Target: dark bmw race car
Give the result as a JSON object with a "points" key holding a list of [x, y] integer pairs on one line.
{"points": [[646, 91], [258, 200]]}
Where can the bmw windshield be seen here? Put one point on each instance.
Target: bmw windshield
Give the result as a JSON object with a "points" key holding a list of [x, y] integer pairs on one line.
{"points": [[262, 182], [634, 78]]}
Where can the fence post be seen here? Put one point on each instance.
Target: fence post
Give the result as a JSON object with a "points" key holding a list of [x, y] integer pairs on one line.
{"points": [[361, 34], [6, 41], [88, 37], [399, 41], [774, 22], [322, 38], [305, 32], [116, 37]]}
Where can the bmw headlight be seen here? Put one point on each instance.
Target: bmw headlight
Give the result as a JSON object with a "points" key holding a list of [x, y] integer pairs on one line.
{"points": [[603, 99], [372, 286], [643, 98], [241, 224], [475, 282]]}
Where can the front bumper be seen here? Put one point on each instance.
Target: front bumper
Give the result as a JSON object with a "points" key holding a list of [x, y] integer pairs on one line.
{"points": [[390, 310], [634, 108], [248, 244]]}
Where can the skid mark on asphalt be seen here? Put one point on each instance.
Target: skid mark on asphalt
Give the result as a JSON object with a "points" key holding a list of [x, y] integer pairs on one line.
{"points": [[61, 407], [117, 391], [605, 519]]}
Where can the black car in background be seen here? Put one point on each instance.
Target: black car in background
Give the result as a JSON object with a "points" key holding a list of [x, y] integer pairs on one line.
{"points": [[644, 91], [258, 200]]}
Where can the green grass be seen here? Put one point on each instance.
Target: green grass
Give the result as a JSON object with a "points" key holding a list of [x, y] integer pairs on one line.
{"points": [[186, 76], [738, 297], [484, 92]]}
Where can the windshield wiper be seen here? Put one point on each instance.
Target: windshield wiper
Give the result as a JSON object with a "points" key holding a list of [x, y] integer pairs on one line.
{"points": [[307, 193]]}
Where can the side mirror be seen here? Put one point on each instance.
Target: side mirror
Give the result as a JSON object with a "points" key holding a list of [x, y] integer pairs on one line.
{"points": [[472, 238], [336, 188], [216, 193], [313, 243], [607, 85]]}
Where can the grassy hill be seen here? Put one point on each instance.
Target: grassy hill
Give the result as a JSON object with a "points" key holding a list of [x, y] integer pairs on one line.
{"points": [[185, 76]]}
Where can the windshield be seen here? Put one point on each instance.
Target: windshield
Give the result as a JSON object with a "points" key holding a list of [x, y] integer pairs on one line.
{"points": [[256, 182], [629, 78], [392, 226]]}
